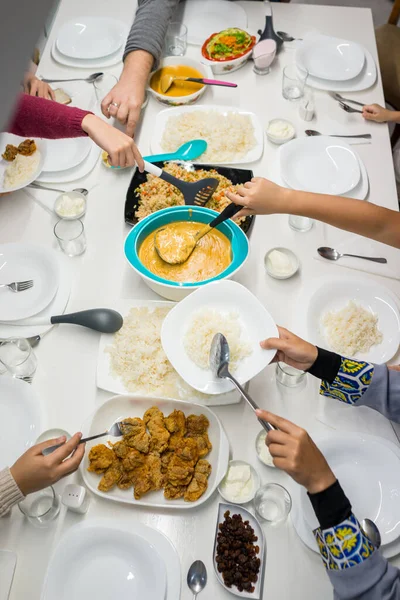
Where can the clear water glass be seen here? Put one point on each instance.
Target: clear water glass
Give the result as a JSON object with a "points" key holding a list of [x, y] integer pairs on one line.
{"points": [[70, 236], [289, 376], [293, 82], [273, 503], [175, 40], [104, 85], [18, 358], [301, 224], [42, 507]]}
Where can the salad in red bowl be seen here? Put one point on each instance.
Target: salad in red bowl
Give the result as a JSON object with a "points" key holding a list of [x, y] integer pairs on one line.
{"points": [[228, 44]]}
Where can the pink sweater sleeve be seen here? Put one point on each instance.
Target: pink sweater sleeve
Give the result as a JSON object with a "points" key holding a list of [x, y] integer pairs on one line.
{"points": [[38, 117]]}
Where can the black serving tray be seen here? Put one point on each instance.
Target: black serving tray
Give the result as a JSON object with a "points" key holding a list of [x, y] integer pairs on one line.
{"points": [[237, 176]]}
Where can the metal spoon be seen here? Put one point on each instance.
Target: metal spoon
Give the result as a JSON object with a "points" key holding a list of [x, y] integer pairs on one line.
{"points": [[365, 136], [197, 577], [90, 79], [117, 430], [36, 186], [340, 98], [332, 254], [104, 320], [372, 532], [286, 37], [219, 365]]}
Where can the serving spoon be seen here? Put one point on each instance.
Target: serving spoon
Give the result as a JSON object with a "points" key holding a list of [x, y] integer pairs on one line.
{"points": [[104, 320], [372, 532], [188, 151], [219, 365], [176, 249], [167, 80], [90, 79], [332, 254]]}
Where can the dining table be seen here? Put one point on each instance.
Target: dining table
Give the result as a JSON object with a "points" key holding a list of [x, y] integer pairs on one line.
{"points": [[65, 380]]}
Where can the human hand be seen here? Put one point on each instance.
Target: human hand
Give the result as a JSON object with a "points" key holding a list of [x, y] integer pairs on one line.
{"points": [[394, 367], [375, 112], [292, 350], [36, 87], [121, 149], [294, 452], [124, 102], [33, 471], [259, 197]]}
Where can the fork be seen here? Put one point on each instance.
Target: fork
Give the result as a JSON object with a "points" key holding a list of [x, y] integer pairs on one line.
{"points": [[115, 431], [340, 98], [348, 109], [18, 286]]}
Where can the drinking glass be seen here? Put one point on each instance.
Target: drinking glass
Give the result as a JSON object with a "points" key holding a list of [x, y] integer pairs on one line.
{"points": [[42, 507], [104, 85], [18, 358], [273, 503], [71, 236], [301, 224], [175, 40], [293, 82], [289, 376], [263, 56]]}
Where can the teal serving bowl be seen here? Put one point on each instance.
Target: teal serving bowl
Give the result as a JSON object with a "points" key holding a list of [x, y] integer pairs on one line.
{"points": [[176, 290]]}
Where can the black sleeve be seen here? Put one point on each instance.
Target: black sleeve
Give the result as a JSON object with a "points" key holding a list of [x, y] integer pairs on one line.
{"points": [[326, 366], [331, 506]]}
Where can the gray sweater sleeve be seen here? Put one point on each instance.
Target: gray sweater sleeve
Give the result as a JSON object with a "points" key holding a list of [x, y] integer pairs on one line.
{"points": [[383, 393], [149, 26]]}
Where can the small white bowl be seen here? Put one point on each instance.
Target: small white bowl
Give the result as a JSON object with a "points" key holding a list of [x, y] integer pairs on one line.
{"points": [[73, 195], [51, 434], [256, 483], [293, 258], [205, 71], [278, 140], [269, 461]]}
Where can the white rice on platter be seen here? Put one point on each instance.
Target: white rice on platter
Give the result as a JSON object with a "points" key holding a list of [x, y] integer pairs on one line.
{"points": [[205, 323], [20, 170], [229, 136], [351, 329]]}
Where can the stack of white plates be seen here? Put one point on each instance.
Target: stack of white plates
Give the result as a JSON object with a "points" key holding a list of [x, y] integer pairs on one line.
{"points": [[90, 42], [368, 469], [323, 165], [336, 64]]}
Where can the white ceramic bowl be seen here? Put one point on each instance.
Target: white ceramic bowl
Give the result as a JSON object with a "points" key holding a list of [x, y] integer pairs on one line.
{"points": [[256, 483], [278, 140], [227, 66], [181, 100], [269, 462], [293, 258], [73, 194]]}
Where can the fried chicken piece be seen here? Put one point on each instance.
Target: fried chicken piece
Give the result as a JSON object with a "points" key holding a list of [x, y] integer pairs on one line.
{"points": [[120, 449], [126, 481], [100, 459], [176, 422], [111, 477], [173, 492], [135, 434], [159, 434], [203, 444], [153, 463], [165, 459], [133, 460], [187, 449], [197, 425], [27, 147], [179, 472], [10, 153], [199, 483]]}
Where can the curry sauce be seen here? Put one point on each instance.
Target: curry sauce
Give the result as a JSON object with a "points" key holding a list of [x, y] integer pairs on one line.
{"points": [[178, 88]]}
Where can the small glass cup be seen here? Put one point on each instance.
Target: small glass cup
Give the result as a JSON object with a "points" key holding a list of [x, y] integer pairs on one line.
{"points": [[301, 224], [289, 376], [104, 85], [263, 56], [18, 358], [273, 503], [293, 82], [175, 39], [40, 508], [71, 236]]}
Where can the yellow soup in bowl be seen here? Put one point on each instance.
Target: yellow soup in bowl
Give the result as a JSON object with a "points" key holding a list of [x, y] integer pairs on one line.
{"points": [[178, 88]]}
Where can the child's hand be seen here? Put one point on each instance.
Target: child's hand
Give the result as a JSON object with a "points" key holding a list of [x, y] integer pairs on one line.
{"points": [[291, 350], [375, 112], [259, 197]]}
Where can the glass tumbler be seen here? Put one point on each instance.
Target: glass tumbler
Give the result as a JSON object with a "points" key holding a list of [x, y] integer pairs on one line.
{"points": [[289, 376], [42, 507], [293, 82], [301, 224], [175, 40], [70, 236], [18, 358], [104, 85], [272, 503]]}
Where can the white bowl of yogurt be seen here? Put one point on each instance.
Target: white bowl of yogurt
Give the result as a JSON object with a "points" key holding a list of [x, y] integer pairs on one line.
{"points": [[280, 131], [240, 483], [263, 453], [70, 205]]}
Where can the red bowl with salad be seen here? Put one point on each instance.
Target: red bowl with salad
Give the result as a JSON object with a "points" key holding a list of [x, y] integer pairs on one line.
{"points": [[227, 50]]}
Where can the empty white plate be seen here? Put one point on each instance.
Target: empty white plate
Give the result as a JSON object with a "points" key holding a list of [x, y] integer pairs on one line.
{"points": [[22, 262], [205, 17], [8, 561], [319, 164], [66, 154], [331, 58], [225, 296], [20, 418], [90, 37], [15, 140]]}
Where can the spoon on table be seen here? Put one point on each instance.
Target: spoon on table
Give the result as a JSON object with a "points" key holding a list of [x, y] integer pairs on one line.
{"points": [[104, 320], [219, 365], [312, 132], [36, 186], [167, 80], [188, 151], [90, 79], [372, 532], [197, 577], [286, 37], [175, 249], [332, 254], [117, 430]]}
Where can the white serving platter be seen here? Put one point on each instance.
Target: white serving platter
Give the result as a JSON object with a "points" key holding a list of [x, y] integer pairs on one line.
{"points": [[90, 37], [15, 140], [94, 63]]}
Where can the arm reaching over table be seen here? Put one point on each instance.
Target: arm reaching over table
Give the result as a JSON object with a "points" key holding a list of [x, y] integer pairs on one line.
{"points": [[379, 114], [355, 567], [262, 197]]}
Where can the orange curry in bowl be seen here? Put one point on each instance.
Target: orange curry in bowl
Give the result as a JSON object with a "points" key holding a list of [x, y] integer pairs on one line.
{"points": [[178, 88]]}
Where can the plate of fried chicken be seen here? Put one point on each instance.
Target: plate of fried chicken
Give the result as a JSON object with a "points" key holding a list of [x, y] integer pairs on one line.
{"points": [[172, 453]]}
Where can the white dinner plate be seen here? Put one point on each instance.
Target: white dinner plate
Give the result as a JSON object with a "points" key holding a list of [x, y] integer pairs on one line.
{"points": [[90, 37], [335, 292], [163, 116], [66, 154], [78, 172], [8, 562], [15, 140], [319, 164], [330, 58], [88, 63], [205, 17], [225, 296], [120, 407], [20, 418], [106, 559], [21, 262]]}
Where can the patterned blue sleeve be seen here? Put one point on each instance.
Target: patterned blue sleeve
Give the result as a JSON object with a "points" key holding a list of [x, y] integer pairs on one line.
{"points": [[344, 545], [350, 383]]}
